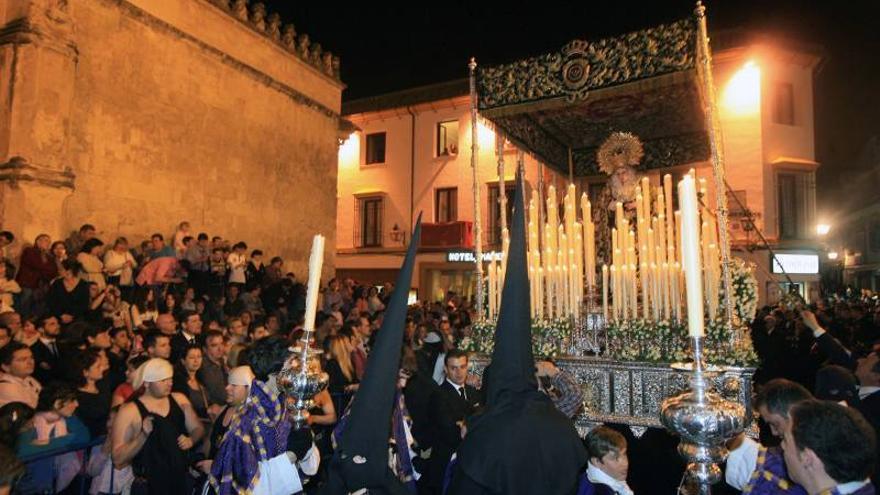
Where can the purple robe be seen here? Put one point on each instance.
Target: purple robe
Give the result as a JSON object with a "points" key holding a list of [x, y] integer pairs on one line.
{"points": [[770, 476], [258, 432]]}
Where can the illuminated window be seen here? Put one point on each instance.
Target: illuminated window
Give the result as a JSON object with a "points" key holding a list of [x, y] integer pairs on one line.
{"points": [[368, 229], [375, 148], [447, 138], [446, 205], [783, 104]]}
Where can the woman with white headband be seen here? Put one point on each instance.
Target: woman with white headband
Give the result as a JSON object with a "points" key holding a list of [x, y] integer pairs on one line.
{"points": [[155, 432]]}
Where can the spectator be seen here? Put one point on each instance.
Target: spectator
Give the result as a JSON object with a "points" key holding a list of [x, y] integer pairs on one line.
{"points": [[155, 431], [236, 331], [35, 272], [8, 286], [233, 306], [16, 381], [218, 272], [199, 258], [59, 254], [92, 266], [190, 334], [251, 302], [169, 304], [343, 380], [94, 394], [237, 263], [15, 418], [76, 240], [830, 447], [68, 298], [609, 465], [105, 477], [214, 369], [179, 236], [158, 345], [159, 249], [144, 308], [187, 383], [117, 354], [189, 300], [55, 427], [256, 271], [120, 265], [5, 336], [125, 390], [47, 355], [115, 308], [159, 271], [374, 304], [332, 296], [274, 272], [27, 332]]}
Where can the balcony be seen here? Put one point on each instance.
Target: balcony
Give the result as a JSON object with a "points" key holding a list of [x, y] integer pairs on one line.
{"points": [[447, 235]]}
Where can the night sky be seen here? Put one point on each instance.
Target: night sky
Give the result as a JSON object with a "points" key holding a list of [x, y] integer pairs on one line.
{"points": [[390, 46]]}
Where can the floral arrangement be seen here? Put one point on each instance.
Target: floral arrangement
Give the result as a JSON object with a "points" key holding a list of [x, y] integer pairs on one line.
{"points": [[549, 337], [668, 342], [745, 289]]}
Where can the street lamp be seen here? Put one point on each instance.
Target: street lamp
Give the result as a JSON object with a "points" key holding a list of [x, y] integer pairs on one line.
{"points": [[832, 255], [823, 229]]}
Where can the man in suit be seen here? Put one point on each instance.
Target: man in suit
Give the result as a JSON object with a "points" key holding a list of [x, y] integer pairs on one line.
{"points": [[455, 401], [189, 334], [46, 351], [462, 398]]}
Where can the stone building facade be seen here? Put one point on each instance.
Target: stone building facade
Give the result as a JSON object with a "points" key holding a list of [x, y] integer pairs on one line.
{"points": [[134, 115]]}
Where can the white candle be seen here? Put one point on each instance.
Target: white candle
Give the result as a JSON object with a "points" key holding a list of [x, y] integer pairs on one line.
{"points": [[605, 292], [316, 262], [690, 254]]}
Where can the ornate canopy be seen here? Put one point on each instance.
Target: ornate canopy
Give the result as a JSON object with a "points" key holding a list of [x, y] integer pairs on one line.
{"points": [[644, 82]]}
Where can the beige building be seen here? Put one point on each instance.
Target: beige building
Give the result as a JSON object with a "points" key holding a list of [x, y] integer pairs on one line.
{"points": [[411, 154], [134, 115]]}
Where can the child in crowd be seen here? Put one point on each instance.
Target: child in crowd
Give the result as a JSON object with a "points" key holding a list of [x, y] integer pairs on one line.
{"points": [[608, 466], [54, 427]]}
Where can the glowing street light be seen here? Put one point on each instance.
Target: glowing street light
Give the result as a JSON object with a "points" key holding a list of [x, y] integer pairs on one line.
{"points": [[832, 255], [823, 229]]}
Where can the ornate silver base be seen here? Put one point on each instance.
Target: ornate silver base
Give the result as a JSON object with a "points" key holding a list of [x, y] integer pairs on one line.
{"points": [[632, 393], [705, 422]]}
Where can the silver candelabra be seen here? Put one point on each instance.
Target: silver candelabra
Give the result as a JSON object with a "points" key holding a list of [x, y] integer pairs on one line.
{"points": [[301, 379], [705, 422]]}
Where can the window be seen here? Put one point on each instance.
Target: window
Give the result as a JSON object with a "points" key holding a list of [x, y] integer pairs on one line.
{"points": [[792, 205], [495, 211], [874, 236], [375, 148], [446, 205], [368, 229], [783, 104], [447, 138]]}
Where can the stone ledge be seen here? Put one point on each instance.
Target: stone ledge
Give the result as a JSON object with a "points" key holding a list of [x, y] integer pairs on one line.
{"points": [[147, 18], [19, 169]]}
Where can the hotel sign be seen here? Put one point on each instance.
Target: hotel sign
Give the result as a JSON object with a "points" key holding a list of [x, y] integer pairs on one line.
{"points": [[795, 264], [465, 256]]}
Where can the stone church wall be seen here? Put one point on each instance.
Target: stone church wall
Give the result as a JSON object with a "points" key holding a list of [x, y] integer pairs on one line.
{"points": [[136, 115]]}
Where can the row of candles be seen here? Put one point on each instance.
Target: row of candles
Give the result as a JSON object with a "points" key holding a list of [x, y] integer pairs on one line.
{"points": [[646, 274]]}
